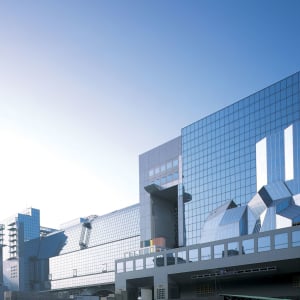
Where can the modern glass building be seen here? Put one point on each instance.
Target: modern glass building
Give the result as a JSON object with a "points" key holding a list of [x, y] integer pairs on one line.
{"points": [[29, 222], [231, 215], [74, 260], [219, 214], [91, 247], [219, 151], [20, 228]]}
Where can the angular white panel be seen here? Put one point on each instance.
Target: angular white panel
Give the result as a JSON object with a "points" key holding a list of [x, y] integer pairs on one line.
{"points": [[282, 222], [297, 199]]}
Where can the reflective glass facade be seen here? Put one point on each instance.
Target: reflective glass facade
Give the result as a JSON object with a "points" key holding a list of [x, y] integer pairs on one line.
{"points": [[91, 247], [219, 151], [21, 227], [31, 220]]}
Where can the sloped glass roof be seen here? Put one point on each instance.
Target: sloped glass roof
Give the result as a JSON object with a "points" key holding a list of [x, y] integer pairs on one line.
{"points": [[222, 209]]}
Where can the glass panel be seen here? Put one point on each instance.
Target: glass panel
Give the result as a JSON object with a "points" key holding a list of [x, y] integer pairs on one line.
{"points": [[171, 259], [193, 255], [175, 163], [205, 253], [296, 238], [151, 172], [233, 249], [281, 241], [146, 250], [120, 267], [104, 268], [218, 251], [169, 165], [264, 244], [139, 264], [149, 262], [181, 257], [175, 176], [129, 265], [248, 246], [160, 260]]}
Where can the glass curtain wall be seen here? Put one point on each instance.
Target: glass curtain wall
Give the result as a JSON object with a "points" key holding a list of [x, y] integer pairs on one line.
{"points": [[219, 151]]}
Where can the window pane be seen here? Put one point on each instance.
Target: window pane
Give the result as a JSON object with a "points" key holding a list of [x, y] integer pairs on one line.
{"points": [[233, 249], [218, 251], [175, 163], [149, 262], [193, 255], [181, 257], [175, 176], [160, 260], [139, 264], [205, 253], [264, 244], [281, 241], [248, 246], [171, 259], [129, 265], [169, 165], [296, 238], [120, 267]]}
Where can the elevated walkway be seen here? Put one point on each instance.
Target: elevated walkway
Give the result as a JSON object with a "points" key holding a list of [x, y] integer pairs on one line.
{"points": [[272, 255]]}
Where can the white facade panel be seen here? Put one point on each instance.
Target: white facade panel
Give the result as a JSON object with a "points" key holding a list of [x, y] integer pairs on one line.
{"points": [[289, 153], [261, 164]]}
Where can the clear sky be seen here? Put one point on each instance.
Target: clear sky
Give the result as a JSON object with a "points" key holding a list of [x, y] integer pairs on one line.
{"points": [[87, 86]]}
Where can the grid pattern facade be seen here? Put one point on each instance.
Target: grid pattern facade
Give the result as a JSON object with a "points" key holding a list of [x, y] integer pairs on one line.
{"points": [[31, 221], [219, 151], [111, 236], [91, 266], [117, 225]]}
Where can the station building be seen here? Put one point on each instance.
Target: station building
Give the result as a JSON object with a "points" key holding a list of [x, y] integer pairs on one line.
{"points": [[218, 217], [74, 261], [225, 197]]}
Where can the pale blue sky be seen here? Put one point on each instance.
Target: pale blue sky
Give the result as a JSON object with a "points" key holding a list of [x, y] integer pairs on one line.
{"points": [[87, 86]]}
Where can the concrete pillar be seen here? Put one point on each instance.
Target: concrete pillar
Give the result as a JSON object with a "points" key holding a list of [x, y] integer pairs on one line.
{"points": [[161, 286]]}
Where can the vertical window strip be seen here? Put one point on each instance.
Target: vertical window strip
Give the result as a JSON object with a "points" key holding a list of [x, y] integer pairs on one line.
{"points": [[288, 153], [261, 163]]}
